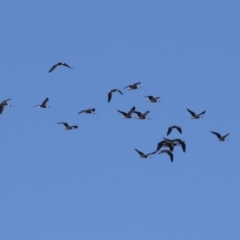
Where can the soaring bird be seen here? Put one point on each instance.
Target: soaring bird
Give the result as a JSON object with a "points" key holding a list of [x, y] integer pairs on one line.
{"points": [[142, 115], [110, 93], [171, 128], [59, 64], [43, 104], [88, 111], [142, 155], [67, 127], [128, 114], [133, 86], [220, 137], [196, 116], [177, 142], [3, 104], [153, 99], [165, 143], [168, 152]]}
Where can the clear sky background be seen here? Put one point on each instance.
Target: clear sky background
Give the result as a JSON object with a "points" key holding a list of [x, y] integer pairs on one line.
{"points": [[90, 183]]}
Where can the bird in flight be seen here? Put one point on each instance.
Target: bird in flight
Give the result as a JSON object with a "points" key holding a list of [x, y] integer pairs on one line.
{"points": [[153, 99], [165, 143], [142, 155], [177, 142], [59, 64], [43, 104], [110, 93], [168, 152], [133, 86], [142, 116], [88, 111], [128, 114], [220, 137], [67, 127], [3, 104], [172, 127], [196, 116]]}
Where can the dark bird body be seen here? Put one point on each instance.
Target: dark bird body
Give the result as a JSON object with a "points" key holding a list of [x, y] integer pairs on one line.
{"points": [[59, 64], [128, 114], [67, 127], [133, 86], [220, 137], [165, 143], [142, 116], [88, 111], [196, 116], [176, 142], [44, 104], [153, 99], [172, 127], [111, 92]]}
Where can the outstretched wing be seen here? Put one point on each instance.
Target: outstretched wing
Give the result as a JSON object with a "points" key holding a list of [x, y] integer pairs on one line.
{"points": [[192, 113], [139, 152], [217, 134], [45, 102], [109, 96], [123, 113], [66, 65], [201, 113], [132, 110], [54, 66], [119, 91], [135, 84], [169, 130], [169, 153], [226, 135], [65, 124], [146, 113]]}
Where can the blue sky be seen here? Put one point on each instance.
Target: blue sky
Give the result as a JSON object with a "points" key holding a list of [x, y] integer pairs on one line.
{"points": [[89, 183]]}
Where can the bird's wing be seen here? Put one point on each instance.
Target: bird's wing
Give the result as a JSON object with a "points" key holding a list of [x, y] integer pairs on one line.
{"points": [[66, 65], [45, 102], [65, 124], [81, 111], [169, 153], [146, 113], [1, 108], [178, 128], [160, 144], [226, 135], [168, 140], [183, 145], [53, 67], [119, 91], [151, 153], [109, 96], [127, 86], [192, 113], [131, 111], [217, 134], [139, 152], [138, 113], [5, 101], [123, 113], [135, 84], [169, 130], [201, 113]]}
